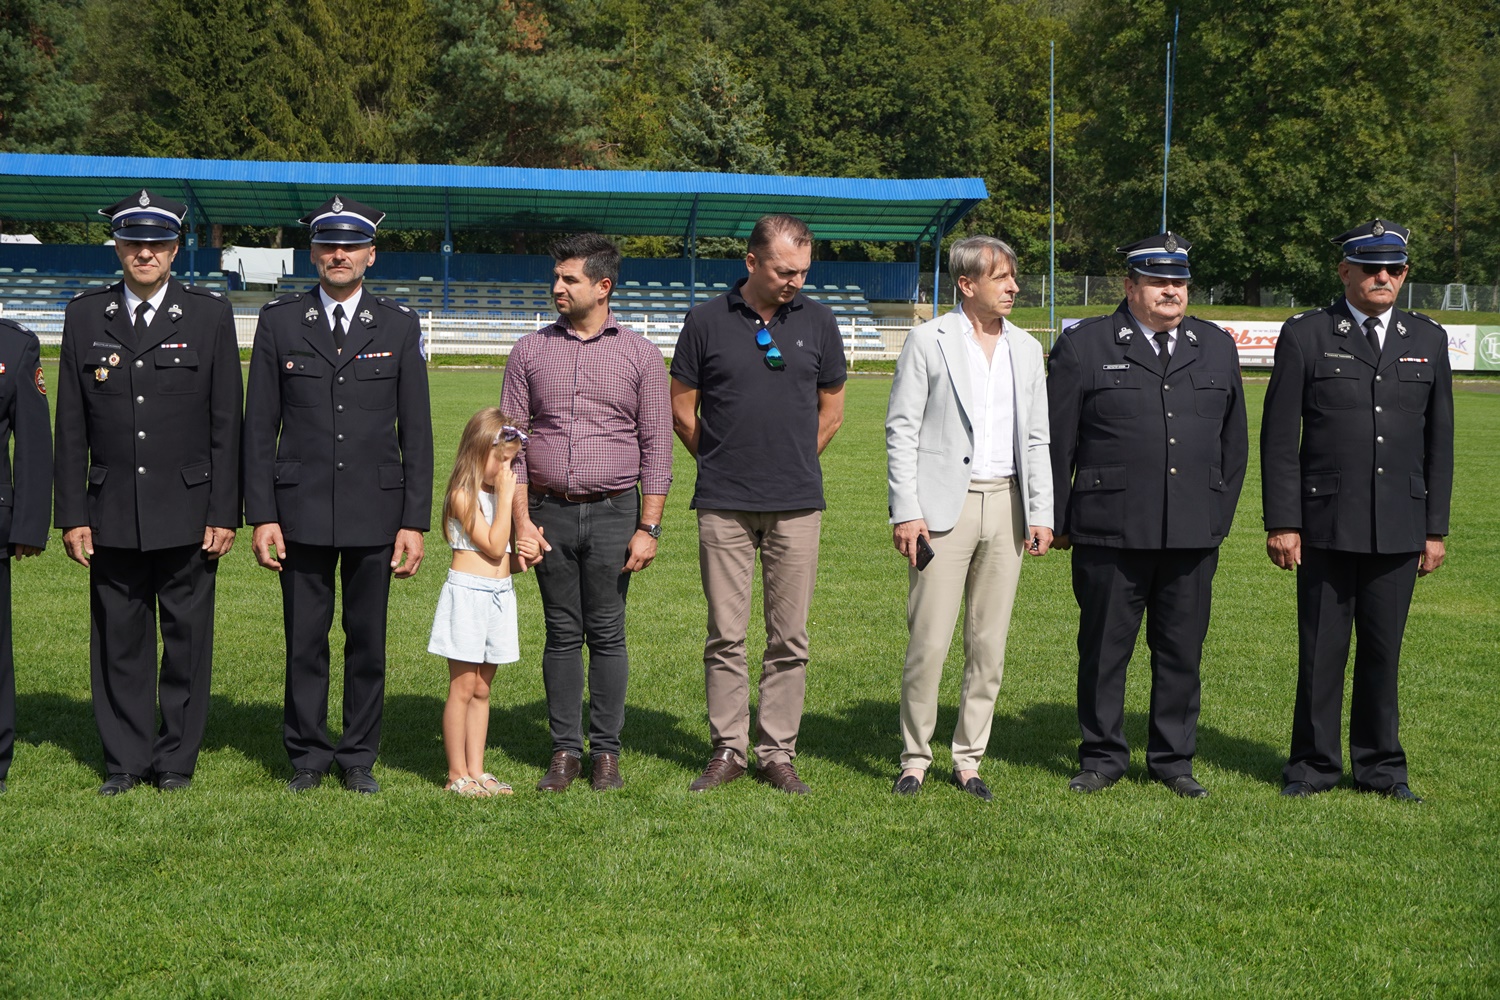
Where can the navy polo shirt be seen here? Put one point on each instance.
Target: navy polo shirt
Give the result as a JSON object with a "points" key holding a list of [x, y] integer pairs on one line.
{"points": [[758, 439]]}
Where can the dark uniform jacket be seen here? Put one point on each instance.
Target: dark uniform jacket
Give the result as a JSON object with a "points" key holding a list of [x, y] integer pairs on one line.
{"points": [[1142, 461], [1357, 452], [338, 447], [26, 484], [148, 433]]}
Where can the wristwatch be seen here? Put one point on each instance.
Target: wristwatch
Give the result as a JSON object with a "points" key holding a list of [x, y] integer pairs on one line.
{"points": [[654, 530]]}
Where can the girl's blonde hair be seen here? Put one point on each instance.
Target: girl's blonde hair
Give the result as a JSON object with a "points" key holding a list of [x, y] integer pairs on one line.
{"points": [[481, 434]]}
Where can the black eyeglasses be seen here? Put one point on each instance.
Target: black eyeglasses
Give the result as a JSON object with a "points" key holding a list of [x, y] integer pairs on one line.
{"points": [[774, 360], [1394, 270]]}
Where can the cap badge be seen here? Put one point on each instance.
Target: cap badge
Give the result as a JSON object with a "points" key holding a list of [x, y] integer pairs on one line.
{"points": [[1401, 328], [114, 360], [144, 200], [111, 309], [1378, 229], [310, 315], [1345, 326], [1170, 244], [174, 310], [338, 206], [366, 316]]}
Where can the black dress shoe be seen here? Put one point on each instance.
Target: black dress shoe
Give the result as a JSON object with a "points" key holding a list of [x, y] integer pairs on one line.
{"points": [[118, 784], [305, 780], [171, 781], [1400, 792], [1299, 790], [1186, 786], [974, 786], [908, 784], [1090, 781], [359, 779]]}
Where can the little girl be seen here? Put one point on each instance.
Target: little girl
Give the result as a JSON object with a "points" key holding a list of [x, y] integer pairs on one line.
{"points": [[475, 624]]}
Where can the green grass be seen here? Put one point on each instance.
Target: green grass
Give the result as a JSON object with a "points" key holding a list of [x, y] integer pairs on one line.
{"points": [[235, 888]]}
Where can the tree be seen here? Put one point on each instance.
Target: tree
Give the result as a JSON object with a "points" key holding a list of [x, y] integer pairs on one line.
{"points": [[43, 109], [720, 125]]}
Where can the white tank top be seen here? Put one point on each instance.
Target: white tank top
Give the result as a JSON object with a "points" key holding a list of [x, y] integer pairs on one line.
{"points": [[461, 540]]}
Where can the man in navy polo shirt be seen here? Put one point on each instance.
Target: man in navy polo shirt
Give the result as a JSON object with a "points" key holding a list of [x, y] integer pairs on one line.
{"points": [[757, 394]]}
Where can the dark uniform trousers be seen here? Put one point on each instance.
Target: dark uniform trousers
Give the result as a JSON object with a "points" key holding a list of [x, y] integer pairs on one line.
{"points": [[148, 435], [1357, 456], [25, 491], [1147, 465], [338, 452]]}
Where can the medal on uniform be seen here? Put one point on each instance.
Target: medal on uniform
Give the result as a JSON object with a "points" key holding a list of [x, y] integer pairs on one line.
{"points": [[289, 365], [174, 311], [101, 374], [114, 360]]}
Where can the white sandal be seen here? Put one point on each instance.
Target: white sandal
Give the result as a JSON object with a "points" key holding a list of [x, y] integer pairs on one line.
{"points": [[493, 785], [467, 787]]}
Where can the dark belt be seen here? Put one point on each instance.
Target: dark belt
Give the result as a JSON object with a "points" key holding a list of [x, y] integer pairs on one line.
{"points": [[577, 497]]}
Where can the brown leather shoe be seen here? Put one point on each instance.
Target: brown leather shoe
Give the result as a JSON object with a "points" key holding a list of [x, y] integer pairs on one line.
{"points": [[562, 772], [721, 770], [606, 773], [783, 776]]}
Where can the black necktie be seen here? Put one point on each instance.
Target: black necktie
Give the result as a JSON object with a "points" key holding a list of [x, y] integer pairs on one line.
{"points": [[140, 320], [338, 328], [1163, 354], [1372, 334]]}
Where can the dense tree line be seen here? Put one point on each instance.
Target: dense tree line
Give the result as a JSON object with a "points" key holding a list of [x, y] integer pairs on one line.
{"points": [[1292, 117]]}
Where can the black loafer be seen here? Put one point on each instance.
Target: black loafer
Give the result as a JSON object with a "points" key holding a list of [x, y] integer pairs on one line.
{"points": [[975, 787], [171, 781], [1399, 792], [119, 784], [305, 780], [359, 779], [1186, 786], [1088, 782], [1299, 790], [908, 784]]}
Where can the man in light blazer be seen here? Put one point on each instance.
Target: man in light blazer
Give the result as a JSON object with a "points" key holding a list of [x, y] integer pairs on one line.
{"points": [[969, 472]]}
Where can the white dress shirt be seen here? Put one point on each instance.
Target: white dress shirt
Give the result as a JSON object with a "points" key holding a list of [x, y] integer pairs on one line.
{"points": [[1382, 322], [133, 300], [351, 306], [992, 389], [1151, 337]]}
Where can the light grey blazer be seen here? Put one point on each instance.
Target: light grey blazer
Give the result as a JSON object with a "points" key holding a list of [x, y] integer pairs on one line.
{"points": [[929, 440]]}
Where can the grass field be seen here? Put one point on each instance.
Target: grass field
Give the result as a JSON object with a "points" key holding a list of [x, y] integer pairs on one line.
{"points": [[236, 888]]}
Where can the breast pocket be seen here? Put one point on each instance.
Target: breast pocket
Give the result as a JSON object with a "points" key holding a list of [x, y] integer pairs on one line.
{"points": [[1211, 393], [100, 379], [377, 382], [1116, 396], [1416, 384], [176, 371], [302, 381], [1336, 383]]}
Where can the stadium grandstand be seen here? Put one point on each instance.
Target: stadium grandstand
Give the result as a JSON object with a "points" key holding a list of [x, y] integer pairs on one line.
{"points": [[476, 303]]}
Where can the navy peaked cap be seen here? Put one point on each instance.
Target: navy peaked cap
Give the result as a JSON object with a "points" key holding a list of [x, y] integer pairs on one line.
{"points": [[1164, 256], [145, 218], [343, 220], [1378, 241]]}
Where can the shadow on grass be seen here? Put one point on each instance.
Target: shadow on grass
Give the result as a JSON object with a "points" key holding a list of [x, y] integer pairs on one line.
{"points": [[63, 721]]}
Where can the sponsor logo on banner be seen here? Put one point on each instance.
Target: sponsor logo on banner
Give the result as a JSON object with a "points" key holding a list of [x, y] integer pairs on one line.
{"points": [[1487, 348]]}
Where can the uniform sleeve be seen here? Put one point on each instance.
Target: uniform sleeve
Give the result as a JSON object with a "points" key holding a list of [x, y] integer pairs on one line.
{"points": [[515, 397], [1437, 457], [653, 423], [1064, 411], [414, 433], [225, 406], [1281, 435], [903, 426], [262, 426], [32, 468], [687, 356], [70, 460], [832, 371], [1234, 442]]}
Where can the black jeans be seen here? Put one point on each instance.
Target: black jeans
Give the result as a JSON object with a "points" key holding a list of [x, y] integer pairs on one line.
{"points": [[583, 601]]}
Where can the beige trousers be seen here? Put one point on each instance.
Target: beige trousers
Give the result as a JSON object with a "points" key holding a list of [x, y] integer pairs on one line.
{"points": [[788, 544], [977, 563]]}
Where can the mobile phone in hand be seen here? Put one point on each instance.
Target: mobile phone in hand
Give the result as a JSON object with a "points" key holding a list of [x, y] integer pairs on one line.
{"points": [[924, 553]]}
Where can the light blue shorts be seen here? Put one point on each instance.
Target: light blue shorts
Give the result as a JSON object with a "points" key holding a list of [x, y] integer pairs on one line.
{"points": [[476, 620]]}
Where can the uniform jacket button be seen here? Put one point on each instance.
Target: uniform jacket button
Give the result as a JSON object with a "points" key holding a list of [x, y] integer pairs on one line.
{"points": [[340, 467]]}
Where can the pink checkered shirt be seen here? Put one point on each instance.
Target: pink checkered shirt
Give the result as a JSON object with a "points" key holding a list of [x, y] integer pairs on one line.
{"points": [[600, 409]]}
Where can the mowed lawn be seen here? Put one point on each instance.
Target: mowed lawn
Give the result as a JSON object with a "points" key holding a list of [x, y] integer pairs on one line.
{"points": [[236, 888]]}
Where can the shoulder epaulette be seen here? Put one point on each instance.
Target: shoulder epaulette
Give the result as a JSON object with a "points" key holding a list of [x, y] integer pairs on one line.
{"points": [[12, 324], [196, 290], [390, 303], [1424, 316], [283, 300]]}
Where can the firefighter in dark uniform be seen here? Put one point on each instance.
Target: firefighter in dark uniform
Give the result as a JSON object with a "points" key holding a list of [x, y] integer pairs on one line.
{"points": [[25, 492], [1149, 449], [147, 489], [338, 476], [1356, 476]]}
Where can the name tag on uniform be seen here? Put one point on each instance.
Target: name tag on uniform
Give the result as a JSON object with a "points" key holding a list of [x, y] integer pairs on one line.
{"points": [[1335, 354], [1115, 368], [1411, 359], [377, 354]]}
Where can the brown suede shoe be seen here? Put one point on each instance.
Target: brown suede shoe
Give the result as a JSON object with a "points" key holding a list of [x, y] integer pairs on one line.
{"points": [[562, 772], [721, 770], [783, 776], [606, 773]]}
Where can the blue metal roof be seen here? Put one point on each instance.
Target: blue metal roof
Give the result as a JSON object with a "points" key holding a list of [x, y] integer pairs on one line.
{"points": [[421, 196]]}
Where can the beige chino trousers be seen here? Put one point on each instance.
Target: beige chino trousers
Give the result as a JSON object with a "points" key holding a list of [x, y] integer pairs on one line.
{"points": [[977, 563], [788, 545]]}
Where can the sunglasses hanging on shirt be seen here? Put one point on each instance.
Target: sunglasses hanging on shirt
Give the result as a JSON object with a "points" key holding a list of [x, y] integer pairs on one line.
{"points": [[774, 360]]}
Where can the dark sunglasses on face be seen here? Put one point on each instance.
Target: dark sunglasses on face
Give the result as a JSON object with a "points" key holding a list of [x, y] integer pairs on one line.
{"points": [[1394, 270], [774, 360]]}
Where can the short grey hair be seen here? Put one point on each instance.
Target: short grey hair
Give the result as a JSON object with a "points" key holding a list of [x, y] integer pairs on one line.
{"points": [[974, 257]]}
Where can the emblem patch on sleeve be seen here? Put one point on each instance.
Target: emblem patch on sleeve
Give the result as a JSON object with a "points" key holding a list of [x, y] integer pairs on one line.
{"points": [[41, 382]]}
